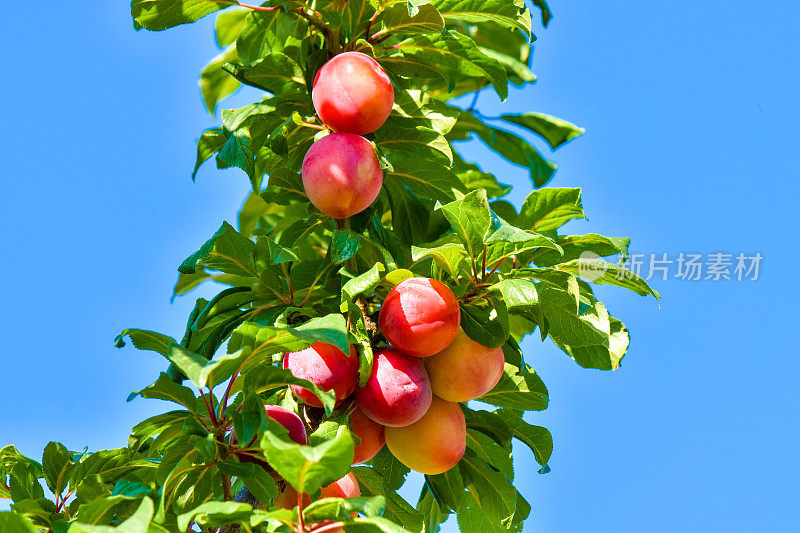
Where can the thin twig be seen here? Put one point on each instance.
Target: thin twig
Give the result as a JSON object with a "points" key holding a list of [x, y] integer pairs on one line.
{"points": [[499, 263], [256, 8], [330, 527], [369, 26], [483, 265], [301, 527]]}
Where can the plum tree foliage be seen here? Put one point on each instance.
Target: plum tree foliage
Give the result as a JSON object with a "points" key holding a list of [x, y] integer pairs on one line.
{"points": [[484, 271]]}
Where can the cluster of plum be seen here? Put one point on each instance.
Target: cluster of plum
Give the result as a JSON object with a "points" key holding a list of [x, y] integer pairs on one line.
{"points": [[410, 401], [353, 96]]}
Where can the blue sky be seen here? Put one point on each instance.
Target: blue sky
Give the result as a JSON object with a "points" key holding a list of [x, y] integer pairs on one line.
{"points": [[690, 109]]}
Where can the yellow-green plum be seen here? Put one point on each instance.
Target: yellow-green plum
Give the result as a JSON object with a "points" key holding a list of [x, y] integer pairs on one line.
{"points": [[435, 443], [371, 434], [464, 370]]}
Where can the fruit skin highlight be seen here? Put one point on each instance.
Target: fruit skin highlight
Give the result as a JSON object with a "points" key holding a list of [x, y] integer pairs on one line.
{"points": [[435, 443], [327, 367], [341, 174], [398, 392], [371, 434], [352, 93], [420, 317], [465, 369]]}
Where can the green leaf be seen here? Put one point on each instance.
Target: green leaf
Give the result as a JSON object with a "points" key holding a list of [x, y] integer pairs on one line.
{"points": [[157, 15], [100, 511], [56, 465], [39, 511], [130, 489], [364, 283], [15, 523], [228, 25], [396, 19], [537, 438], [577, 246], [220, 369], [447, 488], [491, 451], [475, 179], [427, 179], [517, 389], [517, 293], [227, 250], [277, 73], [138, 522], [265, 33], [24, 482], [245, 130], [452, 57], [549, 209], [166, 389], [215, 514], [187, 362], [547, 15], [399, 137], [490, 500], [509, 13], [344, 245], [372, 483], [604, 273], [269, 340], [593, 339], [512, 147], [373, 525], [146, 340], [486, 324], [215, 83], [307, 468], [449, 257], [554, 130], [471, 219], [113, 465], [261, 484], [209, 143]]}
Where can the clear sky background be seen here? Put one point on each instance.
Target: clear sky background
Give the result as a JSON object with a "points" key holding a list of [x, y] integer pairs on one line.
{"points": [[691, 110]]}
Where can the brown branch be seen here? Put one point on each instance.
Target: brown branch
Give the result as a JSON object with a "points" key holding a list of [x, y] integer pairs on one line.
{"points": [[226, 488]]}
